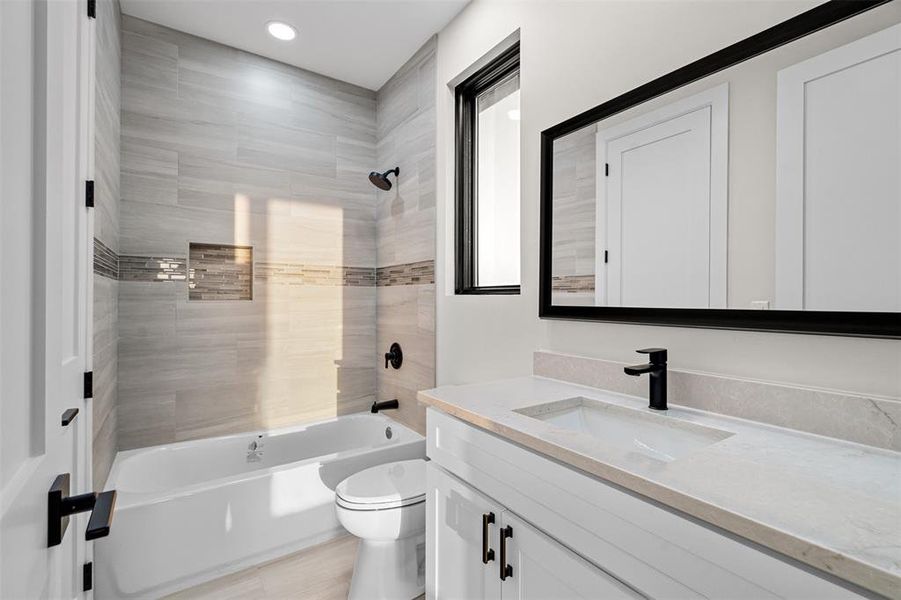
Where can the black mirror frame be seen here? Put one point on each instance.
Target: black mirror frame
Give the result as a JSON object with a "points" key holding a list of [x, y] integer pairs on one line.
{"points": [[860, 324]]}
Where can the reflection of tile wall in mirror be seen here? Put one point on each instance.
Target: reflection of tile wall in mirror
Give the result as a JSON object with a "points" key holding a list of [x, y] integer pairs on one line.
{"points": [[575, 178], [846, 271]]}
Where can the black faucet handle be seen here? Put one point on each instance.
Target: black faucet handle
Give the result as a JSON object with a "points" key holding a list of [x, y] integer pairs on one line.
{"points": [[394, 356], [657, 355]]}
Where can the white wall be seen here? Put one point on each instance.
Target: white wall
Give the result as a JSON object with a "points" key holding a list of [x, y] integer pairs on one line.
{"points": [[574, 56]]}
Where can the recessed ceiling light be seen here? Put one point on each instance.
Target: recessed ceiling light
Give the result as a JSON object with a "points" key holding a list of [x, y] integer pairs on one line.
{"points": [[281, 31]]}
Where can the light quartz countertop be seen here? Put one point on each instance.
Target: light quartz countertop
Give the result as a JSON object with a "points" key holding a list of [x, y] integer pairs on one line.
{"points": [[831, 504]]}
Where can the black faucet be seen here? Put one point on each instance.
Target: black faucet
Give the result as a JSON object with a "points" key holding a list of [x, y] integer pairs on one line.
{"points": [[385, 404], [657, 369]]}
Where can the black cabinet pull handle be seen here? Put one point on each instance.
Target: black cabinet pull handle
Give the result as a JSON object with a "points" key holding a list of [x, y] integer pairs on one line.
{"points": [[506, 570], [487, 553]]}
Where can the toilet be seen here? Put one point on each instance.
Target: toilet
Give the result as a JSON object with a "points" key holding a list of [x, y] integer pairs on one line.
{"points": [[384, 506]]}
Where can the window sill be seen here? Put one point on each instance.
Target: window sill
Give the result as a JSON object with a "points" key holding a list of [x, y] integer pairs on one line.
{"points": [[499, 290]]}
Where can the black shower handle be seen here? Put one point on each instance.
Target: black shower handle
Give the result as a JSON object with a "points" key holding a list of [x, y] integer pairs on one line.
{"points": [[394, 356]]}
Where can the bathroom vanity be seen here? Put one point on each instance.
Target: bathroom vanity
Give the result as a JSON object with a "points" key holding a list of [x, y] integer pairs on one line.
{"points": [[539, 488]]}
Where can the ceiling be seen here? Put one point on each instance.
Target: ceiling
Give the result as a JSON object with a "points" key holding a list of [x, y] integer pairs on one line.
{"points": [[360, 41]]}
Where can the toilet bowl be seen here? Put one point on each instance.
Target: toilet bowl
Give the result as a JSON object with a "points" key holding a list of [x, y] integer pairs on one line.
{"points": [[384, 506]]}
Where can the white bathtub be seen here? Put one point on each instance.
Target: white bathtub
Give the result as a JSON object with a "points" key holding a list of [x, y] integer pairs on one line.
{"points": [[193, 511]]}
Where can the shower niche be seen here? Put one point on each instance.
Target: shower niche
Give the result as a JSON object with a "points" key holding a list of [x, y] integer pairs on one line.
{"points": [[220, 272]]}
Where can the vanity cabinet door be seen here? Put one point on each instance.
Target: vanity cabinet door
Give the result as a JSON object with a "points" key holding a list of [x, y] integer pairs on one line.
{"points": [[454, 533], [540, 568]]}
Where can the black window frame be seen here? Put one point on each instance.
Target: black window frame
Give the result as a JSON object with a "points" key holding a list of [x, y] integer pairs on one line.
{"points": [[466, 93]]}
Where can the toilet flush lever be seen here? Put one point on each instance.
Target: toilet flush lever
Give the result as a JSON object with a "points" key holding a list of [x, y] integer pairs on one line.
{"points": [[60, 505], [394, 356]]}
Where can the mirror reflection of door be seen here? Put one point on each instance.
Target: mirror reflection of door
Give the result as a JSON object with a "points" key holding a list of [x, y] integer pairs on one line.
{"points": [[838, 206], [662, 206]]}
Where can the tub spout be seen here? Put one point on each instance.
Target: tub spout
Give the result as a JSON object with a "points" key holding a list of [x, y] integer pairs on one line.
{"points": [[377, 406]]}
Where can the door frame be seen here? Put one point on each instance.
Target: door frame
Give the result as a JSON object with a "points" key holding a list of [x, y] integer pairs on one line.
{"points": [[717, 100]]}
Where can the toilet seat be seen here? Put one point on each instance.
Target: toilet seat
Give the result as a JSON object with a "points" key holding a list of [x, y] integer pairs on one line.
{"points": [[391, 485]]}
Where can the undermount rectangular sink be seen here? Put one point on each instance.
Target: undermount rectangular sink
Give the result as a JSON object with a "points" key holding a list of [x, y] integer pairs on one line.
{"points": [[655, 435]]}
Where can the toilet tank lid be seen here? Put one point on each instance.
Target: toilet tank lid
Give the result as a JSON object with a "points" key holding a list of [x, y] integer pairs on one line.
{"points": [[397, 482]]}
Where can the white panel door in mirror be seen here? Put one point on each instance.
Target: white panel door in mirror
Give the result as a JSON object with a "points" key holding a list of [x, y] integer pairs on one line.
{"points": [[838, 208], [662, 204]]}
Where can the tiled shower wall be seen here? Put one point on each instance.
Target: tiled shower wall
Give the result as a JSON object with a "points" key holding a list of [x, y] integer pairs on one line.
{"points": [[106, 237], [227, 148], [406, 232]]}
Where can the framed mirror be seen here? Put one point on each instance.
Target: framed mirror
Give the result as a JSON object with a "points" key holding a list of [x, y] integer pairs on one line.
{"points": [[756, 188]]}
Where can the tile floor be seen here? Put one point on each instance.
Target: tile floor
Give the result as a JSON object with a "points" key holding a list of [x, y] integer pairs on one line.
{"points": [[319, 573]]}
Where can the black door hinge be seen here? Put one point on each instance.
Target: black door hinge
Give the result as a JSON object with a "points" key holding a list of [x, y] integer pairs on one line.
{"points": [[92, 9], [89, 384], [89, 193], [605, 256], [87, 576], [606, 169]]}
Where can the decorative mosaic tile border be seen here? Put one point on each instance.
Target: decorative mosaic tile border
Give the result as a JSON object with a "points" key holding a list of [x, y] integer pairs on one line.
{"points": [[416, 273], [151, 268], [106, 262], [573, 284], [157, 269], [300, 274], [220, 272]]}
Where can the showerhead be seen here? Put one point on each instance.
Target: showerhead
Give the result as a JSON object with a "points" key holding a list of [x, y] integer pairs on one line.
{"points": [[380, 180]]}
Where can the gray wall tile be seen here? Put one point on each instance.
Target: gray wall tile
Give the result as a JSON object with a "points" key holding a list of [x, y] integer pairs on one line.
{"points": [[106, 368], [245, 151], [406, 232], [148, 62], [146, 419], [223, 147], [107, 101]]}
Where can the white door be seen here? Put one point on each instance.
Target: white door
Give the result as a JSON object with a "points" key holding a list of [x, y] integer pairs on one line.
{"points": [[542, 569], [662, 206], [838, 203], [455, 533], [45, 97]]}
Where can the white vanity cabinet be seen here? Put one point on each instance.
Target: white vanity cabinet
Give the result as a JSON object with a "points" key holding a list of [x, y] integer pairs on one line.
{"points": [[466, 533], [575, 536], [542, 568], [457, 526]]}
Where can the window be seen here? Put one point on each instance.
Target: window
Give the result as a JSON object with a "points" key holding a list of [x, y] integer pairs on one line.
{"points": [[487, 154]]}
